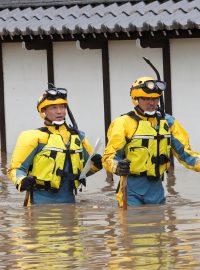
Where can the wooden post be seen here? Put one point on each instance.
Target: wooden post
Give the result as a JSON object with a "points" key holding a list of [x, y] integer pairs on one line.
{"points": [[125, 192], [26, 199]]}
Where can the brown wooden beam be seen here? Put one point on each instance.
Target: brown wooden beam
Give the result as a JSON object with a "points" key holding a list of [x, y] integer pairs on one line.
{"points": [[106, 87], [50, 64], [167, 76]]}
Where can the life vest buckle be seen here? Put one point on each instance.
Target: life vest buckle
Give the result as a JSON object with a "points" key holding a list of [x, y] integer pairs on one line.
{"points": [[159, 137], [59, 172], [162, 159]]}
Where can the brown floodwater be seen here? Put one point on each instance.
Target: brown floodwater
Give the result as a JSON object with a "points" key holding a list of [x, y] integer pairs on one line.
{"points": [[95, 234]]}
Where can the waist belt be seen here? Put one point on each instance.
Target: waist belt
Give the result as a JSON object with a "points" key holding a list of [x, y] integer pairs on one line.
{"points": [[150, 178]]}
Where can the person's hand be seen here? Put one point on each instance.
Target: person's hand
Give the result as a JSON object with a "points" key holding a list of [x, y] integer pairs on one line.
{"points": [[28, 183], [123, 167], [96, 159]]}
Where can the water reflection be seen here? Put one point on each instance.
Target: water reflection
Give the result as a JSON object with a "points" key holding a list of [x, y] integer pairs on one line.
{"points": [[3, 163], [96, 234]]}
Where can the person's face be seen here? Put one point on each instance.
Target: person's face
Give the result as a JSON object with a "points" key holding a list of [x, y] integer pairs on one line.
{"points": [[148, 104], [55, 112]]}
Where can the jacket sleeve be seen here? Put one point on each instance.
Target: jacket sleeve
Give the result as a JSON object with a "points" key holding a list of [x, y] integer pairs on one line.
{"points": [[87, 151], [118, 132], [180, 145], [24, 152]]}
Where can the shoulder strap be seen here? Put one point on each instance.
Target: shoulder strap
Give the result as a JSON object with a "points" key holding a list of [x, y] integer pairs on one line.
{"points": [[45, 129], [133, 115], [71, 129]]}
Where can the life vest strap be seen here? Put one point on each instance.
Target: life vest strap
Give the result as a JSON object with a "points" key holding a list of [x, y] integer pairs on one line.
{"points": [[150, 178], [133, 115], [46, 186], [45, 129], [75, 151], [70, 176]]}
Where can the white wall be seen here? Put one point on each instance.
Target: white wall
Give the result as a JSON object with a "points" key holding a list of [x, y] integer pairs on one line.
{"points": [[25, 77], [185, 69], [80, 71], [126, 65]]}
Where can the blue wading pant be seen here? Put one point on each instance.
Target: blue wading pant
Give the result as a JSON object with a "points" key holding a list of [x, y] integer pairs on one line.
{"points": [[141, 190]]}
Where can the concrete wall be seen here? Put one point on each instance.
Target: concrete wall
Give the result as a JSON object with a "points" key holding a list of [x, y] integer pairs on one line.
{"points": [[185, 69], [25, 74], [126, 65], [25, 78]]}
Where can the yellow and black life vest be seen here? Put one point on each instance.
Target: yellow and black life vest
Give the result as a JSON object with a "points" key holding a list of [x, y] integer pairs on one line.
{"points": [[48, 165], [149, 148]]}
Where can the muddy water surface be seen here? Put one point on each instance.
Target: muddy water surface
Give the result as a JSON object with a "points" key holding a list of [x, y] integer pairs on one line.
{"points": [[95, 234]]}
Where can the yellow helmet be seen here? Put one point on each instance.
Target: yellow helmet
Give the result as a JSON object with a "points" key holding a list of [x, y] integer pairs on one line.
{"points": [[146, 87], [51, 97]]}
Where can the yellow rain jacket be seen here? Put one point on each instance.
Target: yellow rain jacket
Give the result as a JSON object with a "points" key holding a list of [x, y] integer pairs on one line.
{"points": [[126, 139], [63, 153]]}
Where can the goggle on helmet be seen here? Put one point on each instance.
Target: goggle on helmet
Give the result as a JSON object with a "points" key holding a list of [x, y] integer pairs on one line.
{"points": [[147, 87], [52, 96]]}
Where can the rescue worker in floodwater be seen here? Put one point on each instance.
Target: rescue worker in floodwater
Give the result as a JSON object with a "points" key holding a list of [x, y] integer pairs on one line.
{"points": [[47, 161], [140, 143]]}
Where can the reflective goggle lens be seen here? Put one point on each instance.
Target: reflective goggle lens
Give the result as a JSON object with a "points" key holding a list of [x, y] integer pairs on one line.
{"points": [[161, 85], [51, 92], [151, 85], [57, 91]]}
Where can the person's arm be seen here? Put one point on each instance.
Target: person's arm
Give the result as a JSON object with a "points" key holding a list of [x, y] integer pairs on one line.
{"points": [[120, 129], [96, 159], [181, 147], [24, 152]]}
